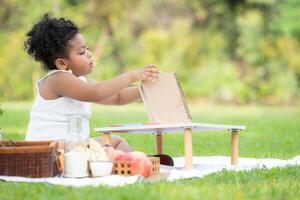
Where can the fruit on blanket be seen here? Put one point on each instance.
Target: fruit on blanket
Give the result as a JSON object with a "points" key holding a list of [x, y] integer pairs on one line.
{"points": [[130, 156], [115, 153], [138, 154], [112, 153], [141, 166], [124, 157]]}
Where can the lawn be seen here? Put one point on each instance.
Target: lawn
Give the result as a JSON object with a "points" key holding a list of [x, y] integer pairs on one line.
{"points": [[272, 132]]}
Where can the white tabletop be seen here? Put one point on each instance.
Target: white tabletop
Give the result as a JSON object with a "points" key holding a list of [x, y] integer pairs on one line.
{"points": [[166, 128]]}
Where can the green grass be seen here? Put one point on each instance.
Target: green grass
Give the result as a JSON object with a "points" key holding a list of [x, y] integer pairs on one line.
{"points": [[272, 132]]}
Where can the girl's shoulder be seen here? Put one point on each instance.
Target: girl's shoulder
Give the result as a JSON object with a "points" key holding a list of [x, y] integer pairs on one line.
{"points": [[45, 84], [57, 72], [64, 75], [56, 75], [62, 84]]}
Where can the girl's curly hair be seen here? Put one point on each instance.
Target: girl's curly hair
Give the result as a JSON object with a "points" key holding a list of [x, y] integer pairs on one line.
{"points": [[49, 39]]}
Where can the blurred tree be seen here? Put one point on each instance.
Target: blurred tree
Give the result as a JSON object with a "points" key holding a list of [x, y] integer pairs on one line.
{"points": [[105, 13], [225, 51]]}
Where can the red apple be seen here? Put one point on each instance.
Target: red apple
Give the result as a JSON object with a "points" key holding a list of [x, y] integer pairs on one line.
{"points": [[124, 157], [138, 154], [113, 153], [141, 166]]}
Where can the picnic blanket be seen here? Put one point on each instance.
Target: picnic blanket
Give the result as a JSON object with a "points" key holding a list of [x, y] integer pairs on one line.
{"points": [[202, 166]]}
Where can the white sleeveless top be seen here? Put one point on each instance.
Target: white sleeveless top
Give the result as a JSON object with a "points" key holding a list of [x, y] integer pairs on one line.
{"points": [[49, 118]]}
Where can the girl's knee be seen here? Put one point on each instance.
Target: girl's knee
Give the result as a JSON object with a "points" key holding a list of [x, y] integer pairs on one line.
{"points": [[120, 143], [117, 142], [117, 138]]}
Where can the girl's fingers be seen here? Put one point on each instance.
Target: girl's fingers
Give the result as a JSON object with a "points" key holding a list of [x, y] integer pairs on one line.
{"points": [[152, 77], [152, 74], [151, 65], [144, 77], [151, 70]]}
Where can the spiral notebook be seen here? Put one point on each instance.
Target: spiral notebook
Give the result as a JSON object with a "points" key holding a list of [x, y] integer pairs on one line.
{"points": [[164, 100]]}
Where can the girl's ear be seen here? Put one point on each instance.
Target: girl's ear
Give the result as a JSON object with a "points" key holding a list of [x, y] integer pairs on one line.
{"points": [[61, 63]]}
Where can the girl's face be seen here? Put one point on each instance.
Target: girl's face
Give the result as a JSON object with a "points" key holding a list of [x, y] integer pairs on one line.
{"points": [[80, 58]]}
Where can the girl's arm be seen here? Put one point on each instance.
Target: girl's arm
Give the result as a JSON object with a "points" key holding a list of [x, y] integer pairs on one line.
{"points": [[129, 95], [68, 85], [126, 96]]}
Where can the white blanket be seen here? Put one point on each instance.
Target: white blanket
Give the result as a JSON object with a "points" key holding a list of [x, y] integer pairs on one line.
{"points": [[202, 166]]}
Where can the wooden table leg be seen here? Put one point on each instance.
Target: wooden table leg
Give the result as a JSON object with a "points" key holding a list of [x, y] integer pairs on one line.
{"points": [[188, 148], [159, 143], [106, 139], [234, 147]]}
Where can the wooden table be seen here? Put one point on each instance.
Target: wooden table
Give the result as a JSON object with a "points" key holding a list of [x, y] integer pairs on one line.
{"points": [[186, 128]]}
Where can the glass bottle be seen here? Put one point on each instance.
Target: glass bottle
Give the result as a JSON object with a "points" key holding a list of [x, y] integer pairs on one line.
{"points": [[75, 156]]}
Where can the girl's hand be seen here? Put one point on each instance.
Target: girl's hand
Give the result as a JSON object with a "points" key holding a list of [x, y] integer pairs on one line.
{"points": [[149, 72]]}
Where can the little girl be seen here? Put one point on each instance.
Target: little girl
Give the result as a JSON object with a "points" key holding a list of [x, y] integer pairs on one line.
{"points": [[64, 91]]}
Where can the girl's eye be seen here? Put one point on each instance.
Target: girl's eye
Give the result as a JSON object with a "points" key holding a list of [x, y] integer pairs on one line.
{"points": [[81, 53]]}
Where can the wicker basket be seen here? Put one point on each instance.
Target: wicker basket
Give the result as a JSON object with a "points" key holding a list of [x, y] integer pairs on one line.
{"points": [[33, 159], [124, 167]]}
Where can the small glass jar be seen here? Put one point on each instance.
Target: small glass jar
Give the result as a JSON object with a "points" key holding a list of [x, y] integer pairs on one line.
{"points": [[75, 155]]}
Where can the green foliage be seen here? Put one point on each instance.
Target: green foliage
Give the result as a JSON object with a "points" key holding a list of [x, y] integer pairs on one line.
{"points": [[1, 111], [223, 51], [286, 21]]}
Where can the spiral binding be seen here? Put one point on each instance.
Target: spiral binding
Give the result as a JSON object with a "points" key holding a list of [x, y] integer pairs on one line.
{"points": [[183, 98]]}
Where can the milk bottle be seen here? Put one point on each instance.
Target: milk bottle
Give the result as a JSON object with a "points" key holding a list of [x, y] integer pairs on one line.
{"points": [[75, 156]]}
